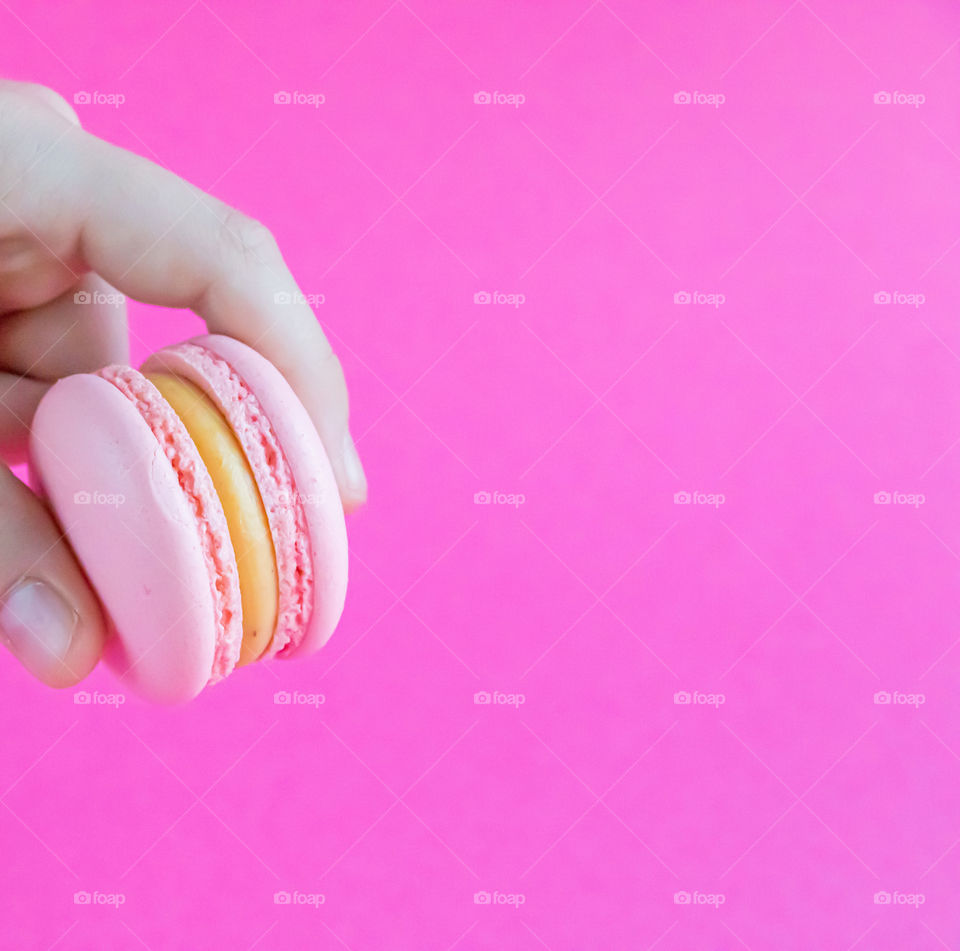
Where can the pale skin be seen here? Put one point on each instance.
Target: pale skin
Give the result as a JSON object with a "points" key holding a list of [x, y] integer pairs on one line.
{"points": [[79, 214]]}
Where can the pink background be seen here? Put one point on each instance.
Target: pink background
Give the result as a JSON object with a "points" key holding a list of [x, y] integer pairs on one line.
{"points": [[598, 599]]}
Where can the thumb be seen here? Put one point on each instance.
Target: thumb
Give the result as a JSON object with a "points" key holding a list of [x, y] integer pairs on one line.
{"points": [[49, 618]]}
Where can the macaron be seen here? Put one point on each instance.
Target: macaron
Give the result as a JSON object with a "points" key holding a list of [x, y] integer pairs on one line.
{"points": [[201, 504]]}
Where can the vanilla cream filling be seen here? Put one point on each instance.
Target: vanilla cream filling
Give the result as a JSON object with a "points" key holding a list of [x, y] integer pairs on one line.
{"points": [[244, 510]]}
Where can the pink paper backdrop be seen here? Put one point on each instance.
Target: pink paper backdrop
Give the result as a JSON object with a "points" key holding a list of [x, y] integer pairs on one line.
{"points": [[782, 805]]}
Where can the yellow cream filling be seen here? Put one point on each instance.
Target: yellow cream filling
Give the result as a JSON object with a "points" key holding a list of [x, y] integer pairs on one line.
{"points": [[242, 505]]}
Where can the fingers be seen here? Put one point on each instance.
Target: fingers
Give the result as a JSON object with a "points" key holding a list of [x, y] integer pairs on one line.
{"points": [[19, 398], [82, 330], [161, 240], [49, 619]]}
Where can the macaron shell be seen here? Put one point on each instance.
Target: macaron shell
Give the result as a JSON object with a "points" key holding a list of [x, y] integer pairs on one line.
{"points": [[201, 495], [130, 524], [314, 480]]}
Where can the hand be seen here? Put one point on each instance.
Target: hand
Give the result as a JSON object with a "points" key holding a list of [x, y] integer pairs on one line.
{"points": [[78, 214]]}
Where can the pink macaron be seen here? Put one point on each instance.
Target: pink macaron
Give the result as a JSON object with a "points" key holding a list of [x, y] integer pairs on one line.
{"points": [[146, 494]]}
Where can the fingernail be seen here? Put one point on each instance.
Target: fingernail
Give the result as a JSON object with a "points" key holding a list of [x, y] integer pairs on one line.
{"points": [[356, 479], [37, 625]]}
